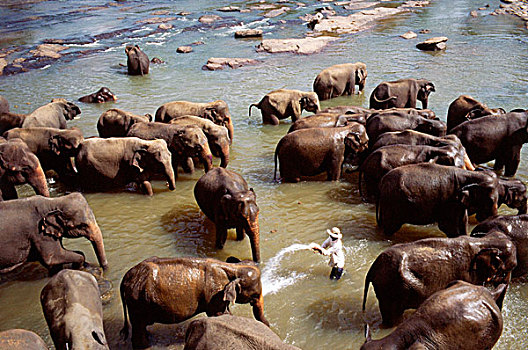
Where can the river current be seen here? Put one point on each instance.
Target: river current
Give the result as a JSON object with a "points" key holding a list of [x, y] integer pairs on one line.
{"points": [[486, 57]]}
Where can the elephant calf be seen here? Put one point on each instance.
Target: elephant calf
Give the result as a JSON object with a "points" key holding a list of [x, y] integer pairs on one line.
{"points": [[100, 96], [172, 290], [281, 104], [117, 122], [401, 93], [52, 115], [340, 79], [460, 317], [466, 108], [73, 310], [327, 120]]}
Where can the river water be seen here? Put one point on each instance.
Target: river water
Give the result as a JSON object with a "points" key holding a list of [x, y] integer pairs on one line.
{"points": [[487, 57]]}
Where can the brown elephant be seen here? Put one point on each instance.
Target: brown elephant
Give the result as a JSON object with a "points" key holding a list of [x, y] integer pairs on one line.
{"points": [[18, 165], [217, 112], [100, 96], [281, 104], [327, 120], [225, 199], [117, 122], [347, 110], [172, 290], [184, 142], [460, 317], [4, 105], [73, 311], [53, 147], [104, 164], [10, 121], [21, 339], [217, 136], [309, 152], [466, 108], [52, 115], [401, 93], [138, 62], [35, 227], [406, 274], [340, 79]]}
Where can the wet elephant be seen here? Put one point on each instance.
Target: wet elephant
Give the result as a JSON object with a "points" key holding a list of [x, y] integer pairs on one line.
{"points": [[405, 275], [347, 110], [466, 108], [401, 93], [100, 96], [18, 165], [309, 152], [117, 122], [327, 120], [495, 138], [460, 317], [217, 112], [73, 311], [10, 121], [340, 79], [21, 339], [225, 199], [172, 290], [512, 192], [423, 194], [104, 164], [35, 227], [281, 104], [137, 61], [4, 105], [52, 115], [217, 136]]}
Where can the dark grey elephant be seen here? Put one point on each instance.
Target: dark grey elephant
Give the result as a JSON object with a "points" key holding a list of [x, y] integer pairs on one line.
{"points": [[35, 227], [137, 61], [117, 122], [340, 79], [21, 339], [100, 96], [401, 93], [52, 115], [73, 310], [232, 332], [283, 103], [405, 275], [225, 199], [460, 317], [466, 108]]}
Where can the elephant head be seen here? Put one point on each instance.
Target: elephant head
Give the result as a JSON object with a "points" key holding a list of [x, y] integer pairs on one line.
{"points": [[513, 194], [70, 110], [192, 142], [218, 112], [72, 217], [104, 94], [154, 156], [496, 258], [219, 143], [424, 89], [66, 142], [361, 75], [309, 102], [481, 195], [18, 165], [483, 111], [448, 155], [356, 142], [431, 126]]}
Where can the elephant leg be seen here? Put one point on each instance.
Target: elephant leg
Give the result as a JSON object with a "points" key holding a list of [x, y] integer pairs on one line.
{"points": [[8, 191], [334, 170], [52, 255], [240, 233], [391, 311], [221, 235], [146, 187], [139, 332], [453, 221], [270, 119], [513, 163], [188, 166]]}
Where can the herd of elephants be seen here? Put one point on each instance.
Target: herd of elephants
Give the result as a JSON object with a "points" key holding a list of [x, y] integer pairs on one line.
{"points": [[417, 169]]}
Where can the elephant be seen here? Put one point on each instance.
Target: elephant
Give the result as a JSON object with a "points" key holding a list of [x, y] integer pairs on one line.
{"points": [[172, 290], [382, 123], [512, 192], [327, 120], [516, 228], [21, 339], [33, 228], [422, 194], [401, 93], [340, 79], [52, 115], [404, 112], [217, 136], [282, 103], [53, 147], [384, 159], [18, 165], [466, 108], [4, 105], [117, 122], [217, 112], [137, 61], [347, 110], [309, 152], [405, 275], [231, 332], [460, 317], [224, 197], [115, 162], [495, 138], [184, 142], [100, 96], [73, 311], [10, 121]]}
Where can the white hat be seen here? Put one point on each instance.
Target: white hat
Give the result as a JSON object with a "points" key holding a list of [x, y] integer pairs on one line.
{"points": [[334, 233]]}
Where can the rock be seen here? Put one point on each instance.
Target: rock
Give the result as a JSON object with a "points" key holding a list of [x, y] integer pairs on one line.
{"points": [[424, 31], [433, 44], [155, 20], [409, 35], [165, 26], [48, 50], [355, 22], [473, 13], [208, 19], [507, 1], [160, 13], [229, 9], [248, 33], [184, 49], [359, 5], [197, 43], [3, 64], [277, 12], [245, 11], [183, 13], [217, 63], [300, 46], [157, 60]]}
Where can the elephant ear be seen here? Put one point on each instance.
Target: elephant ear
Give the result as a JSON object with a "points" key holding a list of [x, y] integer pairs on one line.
{"points": [[464, 195], [361, 74], [52, 224], [71, 111], [231, 290], [136, 159], [225, 205], [55, 144]]}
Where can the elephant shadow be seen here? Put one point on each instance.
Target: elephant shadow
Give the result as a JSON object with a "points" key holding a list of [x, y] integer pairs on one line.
{"points": [[28, 272]]}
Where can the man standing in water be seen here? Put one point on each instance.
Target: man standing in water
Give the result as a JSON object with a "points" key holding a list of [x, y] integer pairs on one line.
{"points": [[333, 247]]}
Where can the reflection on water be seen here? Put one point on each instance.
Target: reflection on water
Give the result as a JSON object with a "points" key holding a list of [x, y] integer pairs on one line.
{"points": [[486, 58]]}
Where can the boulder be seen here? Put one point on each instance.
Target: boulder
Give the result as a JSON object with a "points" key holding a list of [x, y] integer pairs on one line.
{"points": [[249, 33], [409, 35], [217, 63], [433, 44], [155, 20], [229, 9], [355, 22], [208, 19], [277, 12], [473, 13], [300, 46], [165, 26], [184, 49], [48, 50], [3, 64]]}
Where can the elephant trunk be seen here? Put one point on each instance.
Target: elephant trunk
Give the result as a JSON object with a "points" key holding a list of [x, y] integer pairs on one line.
{"points": [[229, 125], [467, 162], [169, 175], [224, 156], [206, 157], [38, 182], [258, 310], [253, 233], [97, 243]]}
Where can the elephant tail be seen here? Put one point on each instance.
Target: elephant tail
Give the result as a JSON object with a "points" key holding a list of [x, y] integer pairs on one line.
{"points": [[378, 220], [124, 330], [385, 100], [253, 105], [360, 182], [366, 289], [275, 160]]}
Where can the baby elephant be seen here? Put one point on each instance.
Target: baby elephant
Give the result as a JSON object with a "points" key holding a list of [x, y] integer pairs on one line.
{"points": [[401, 93], [73, 310], [340, 79], [460, 317], [281, 104], [101, 96]]}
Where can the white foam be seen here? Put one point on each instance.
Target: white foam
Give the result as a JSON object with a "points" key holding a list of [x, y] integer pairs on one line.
{"points": [[92, 44]]}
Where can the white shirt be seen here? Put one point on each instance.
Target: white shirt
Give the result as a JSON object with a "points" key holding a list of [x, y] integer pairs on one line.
{"points": [[335, 250]]}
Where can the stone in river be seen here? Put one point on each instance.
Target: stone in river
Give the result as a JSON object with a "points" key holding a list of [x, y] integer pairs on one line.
{"points": [[433, 44]]}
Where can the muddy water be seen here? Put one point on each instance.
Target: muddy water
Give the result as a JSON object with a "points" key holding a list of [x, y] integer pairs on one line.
{"points": [[486, 57]]}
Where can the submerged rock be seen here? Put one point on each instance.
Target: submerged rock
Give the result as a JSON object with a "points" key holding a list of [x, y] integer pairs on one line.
{"points": [[49, 50], [229, 9], [355, 22], [409, 35], [184, 49], [217, 63], [300, 46], [433, 44], [277, 12], [208, 19], [248, 33], [165, 26]]}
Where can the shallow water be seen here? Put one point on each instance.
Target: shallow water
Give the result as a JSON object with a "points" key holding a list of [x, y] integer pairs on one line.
{"points": [[487, 57]]}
